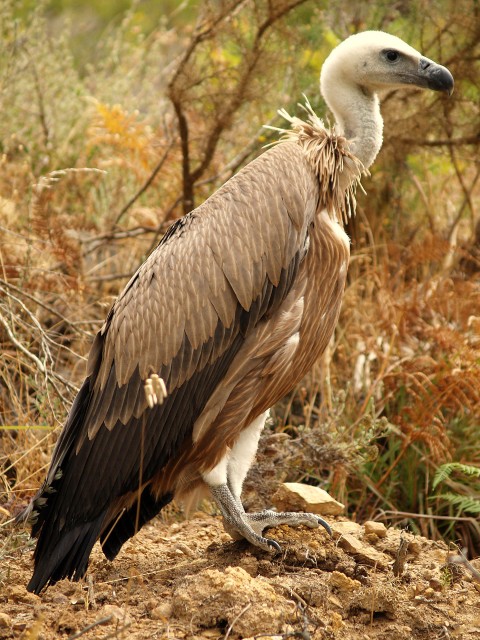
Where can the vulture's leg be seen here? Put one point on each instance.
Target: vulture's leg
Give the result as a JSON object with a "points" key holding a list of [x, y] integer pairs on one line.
{"points": [[242, 455], [235, 519], [225, 482]]}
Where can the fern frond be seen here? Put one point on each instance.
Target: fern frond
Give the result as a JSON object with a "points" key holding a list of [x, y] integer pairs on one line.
{"points": [[464, 503], [446, 470]]}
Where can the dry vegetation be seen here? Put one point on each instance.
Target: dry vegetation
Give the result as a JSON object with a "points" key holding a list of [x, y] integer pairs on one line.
{"points": [[101, 150]]}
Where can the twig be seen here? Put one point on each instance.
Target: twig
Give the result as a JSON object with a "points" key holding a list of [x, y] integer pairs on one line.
{"points": [[166, 217], [40, 303], [48, 372], [236, 619], [407, 514], [446, 142], [89, 627], [466, 192], [44, 336], [90, 600], [117, 235], [41, 106], [224, 115], [187, 179], [19, 345], [400, 557], [109, 277], [189, 563], [145, 186], [461, 559], [423, 196], [292, 593], [26, 453], [114, 634], [466, 202], [202, 31]]}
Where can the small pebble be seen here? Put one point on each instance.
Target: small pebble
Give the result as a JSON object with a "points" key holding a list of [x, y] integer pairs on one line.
{"points": [[162, 612], [378, 528], [5, 620]]}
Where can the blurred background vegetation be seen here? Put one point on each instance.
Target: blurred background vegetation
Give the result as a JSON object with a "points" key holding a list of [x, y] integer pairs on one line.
{"points": [[119, 116]]}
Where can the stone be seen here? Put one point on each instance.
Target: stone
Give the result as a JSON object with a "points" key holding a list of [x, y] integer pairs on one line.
{"points": [[335, 601], [5, 620], [342, 582], [363, 552], [294, 496], [377, 528], [162, 611], [116, 614], [414, 547], [341, 528]]}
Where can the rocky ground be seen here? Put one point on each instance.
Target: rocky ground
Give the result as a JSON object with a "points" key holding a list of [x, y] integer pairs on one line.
{"points": [[190, 580]]}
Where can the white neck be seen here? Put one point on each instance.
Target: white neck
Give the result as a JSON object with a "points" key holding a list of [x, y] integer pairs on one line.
{"points": [[357, 115]]}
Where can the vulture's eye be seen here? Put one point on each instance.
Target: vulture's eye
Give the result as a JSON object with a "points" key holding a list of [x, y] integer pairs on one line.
{"points": [[391, 55]]}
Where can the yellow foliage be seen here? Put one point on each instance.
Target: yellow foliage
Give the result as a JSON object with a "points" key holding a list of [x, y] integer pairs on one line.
{"points": [[129, 139]]}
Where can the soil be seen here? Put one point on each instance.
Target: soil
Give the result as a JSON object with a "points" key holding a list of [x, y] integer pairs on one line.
{"points": [[190, 580]]}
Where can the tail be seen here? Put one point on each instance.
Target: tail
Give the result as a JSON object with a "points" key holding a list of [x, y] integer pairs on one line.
{"points": [[64, 555], [120, 529], [62, 548]]}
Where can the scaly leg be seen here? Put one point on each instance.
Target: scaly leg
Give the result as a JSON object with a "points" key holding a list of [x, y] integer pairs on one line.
{"points": [[225, 482], [252, 525]]}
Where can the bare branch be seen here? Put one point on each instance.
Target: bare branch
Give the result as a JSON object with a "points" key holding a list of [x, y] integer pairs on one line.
{"points": [[145, 186], [223, 118], [187, 178], [42, 304], [445, 142], [40, 365]]}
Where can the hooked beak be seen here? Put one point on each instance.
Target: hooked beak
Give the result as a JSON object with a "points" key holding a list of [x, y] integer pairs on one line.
{"points": [[434, 76]]}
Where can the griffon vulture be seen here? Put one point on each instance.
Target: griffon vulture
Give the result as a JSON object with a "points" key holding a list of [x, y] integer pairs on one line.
{"points": [[225, 317]]}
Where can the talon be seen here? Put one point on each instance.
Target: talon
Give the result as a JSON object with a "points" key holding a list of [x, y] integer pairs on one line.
{"points": [[325, 525], [274, 544]]}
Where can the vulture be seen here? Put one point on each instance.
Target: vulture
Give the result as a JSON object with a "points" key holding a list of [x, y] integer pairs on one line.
{"points": [[228, 313]]}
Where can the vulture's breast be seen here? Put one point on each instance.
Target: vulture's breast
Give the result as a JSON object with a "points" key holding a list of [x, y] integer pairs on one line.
{"points": [[326, 267]]}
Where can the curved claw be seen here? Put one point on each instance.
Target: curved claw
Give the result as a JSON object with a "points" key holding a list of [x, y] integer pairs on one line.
{"points": [[274, 544], [325, 525]]}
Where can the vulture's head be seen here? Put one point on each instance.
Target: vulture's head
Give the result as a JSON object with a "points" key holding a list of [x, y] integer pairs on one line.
{"points": [[373, 60], [357, 69]]}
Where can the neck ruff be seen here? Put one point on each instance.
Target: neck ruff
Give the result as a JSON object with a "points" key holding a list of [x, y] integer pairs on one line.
{"points": [[337, 169]]}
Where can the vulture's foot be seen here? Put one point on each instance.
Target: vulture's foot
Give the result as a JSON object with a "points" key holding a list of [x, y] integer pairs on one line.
{"points": [[251, 525]]}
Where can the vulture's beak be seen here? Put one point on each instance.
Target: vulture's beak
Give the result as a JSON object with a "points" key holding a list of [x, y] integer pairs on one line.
{"points": [[434, 76]]}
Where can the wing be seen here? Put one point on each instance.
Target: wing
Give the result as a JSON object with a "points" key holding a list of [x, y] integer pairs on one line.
{"points": [[185, 314]]}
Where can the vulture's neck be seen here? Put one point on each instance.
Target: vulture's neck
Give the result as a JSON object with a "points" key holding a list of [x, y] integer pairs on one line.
{"points": [[358, 118]]}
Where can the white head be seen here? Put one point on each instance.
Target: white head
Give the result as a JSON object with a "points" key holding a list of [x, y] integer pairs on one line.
{"points": [[357, 69]]}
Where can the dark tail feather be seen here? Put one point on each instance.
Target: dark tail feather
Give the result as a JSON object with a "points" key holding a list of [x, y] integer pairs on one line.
{"points": [[64, 556], [131, 521]]}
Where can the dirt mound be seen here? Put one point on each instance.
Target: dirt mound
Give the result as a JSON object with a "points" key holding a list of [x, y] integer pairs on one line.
{"points": [[189, 580]]}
